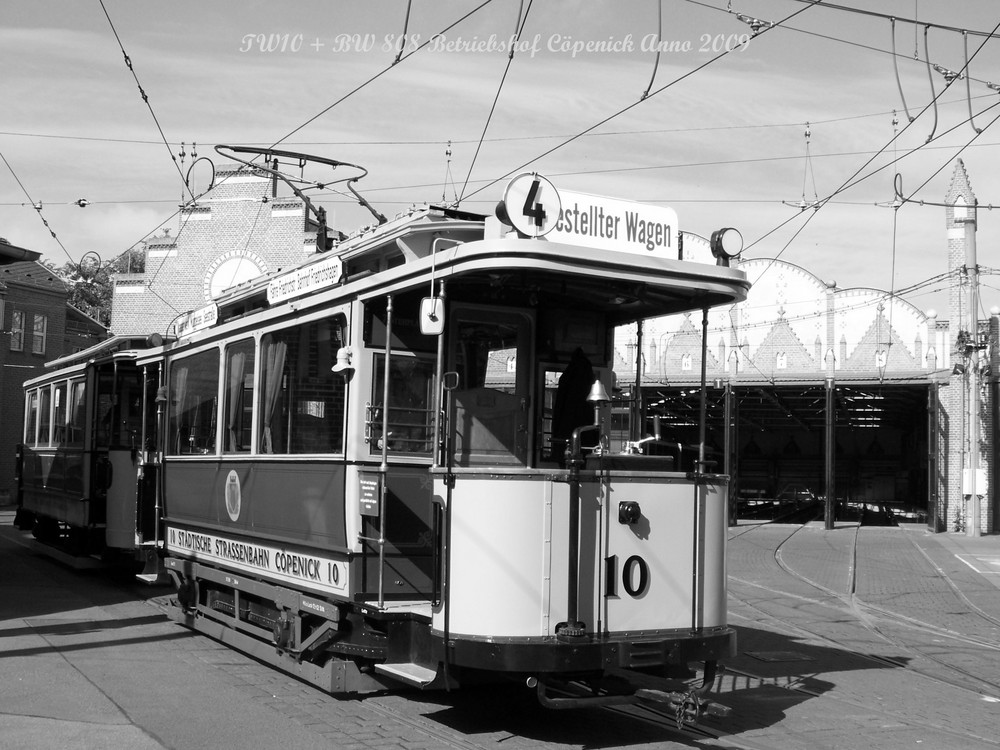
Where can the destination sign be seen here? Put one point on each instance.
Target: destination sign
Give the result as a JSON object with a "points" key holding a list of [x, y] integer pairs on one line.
{"points": [[197, 320], [612, 224], [299, 568], [312, 278]]}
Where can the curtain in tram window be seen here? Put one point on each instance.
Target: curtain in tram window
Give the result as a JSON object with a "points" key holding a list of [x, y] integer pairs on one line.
{"points": [[274, 366], [237, 369], [180, 394], [77, 415]]}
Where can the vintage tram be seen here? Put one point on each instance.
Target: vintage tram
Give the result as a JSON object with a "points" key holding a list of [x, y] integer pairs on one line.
{"points": [[86, 478], [394, 464]]}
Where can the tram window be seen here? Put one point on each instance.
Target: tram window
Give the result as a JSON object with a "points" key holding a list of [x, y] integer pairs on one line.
{"points": [[411, 389], [119, 407], [59, 414], [550, 378], [238, 411], [302, 401], [31, 418], [151, 384], [77, 415], [44, 415], [194, 389], [492, 356]]}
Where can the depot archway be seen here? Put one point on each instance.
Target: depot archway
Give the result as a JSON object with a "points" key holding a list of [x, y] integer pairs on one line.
{"points": [[778, 445]]}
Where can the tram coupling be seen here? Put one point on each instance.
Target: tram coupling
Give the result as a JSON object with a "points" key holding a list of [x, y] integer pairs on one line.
{"points": [[686, 707]]}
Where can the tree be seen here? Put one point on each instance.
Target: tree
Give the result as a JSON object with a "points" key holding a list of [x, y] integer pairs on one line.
{"points": [[91, 280]]}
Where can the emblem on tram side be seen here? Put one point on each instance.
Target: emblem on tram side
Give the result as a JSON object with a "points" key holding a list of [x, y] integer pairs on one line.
{"points": [[233, 497]]}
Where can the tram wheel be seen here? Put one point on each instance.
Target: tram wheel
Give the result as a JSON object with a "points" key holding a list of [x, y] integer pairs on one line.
{"points": [[46, 530], [187, 595], [707, 677]]}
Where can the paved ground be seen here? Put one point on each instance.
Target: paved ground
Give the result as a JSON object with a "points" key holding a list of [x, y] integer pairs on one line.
{"points": [[87, 665], [879, 637]]}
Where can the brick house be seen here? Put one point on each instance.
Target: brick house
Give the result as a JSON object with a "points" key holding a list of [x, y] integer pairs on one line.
{"points": [[38, 325], [240, 230]]}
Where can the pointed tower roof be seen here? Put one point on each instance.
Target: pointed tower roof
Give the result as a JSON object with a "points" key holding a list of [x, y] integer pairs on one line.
{"points": [[960, 185]]}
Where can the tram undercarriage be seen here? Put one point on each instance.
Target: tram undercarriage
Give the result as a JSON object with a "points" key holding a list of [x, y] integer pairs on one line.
{"points": [[345, 648]]}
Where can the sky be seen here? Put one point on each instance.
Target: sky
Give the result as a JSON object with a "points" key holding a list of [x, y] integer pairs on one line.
{"points": [[671, 102]]}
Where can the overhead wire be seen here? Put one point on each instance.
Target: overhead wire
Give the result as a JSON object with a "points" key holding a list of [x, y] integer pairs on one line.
{"points": [[848, 183], [518, 30], [142, 92], [916, 22], [356, 89], [312, 119], [851, 182], [968, 85], [631, 106], [576, 136], [379, 74], [37, 206]]}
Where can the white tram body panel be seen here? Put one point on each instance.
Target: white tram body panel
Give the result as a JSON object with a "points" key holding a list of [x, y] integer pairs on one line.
{"points": [[663, 571], [509, 533], [505, 530]]}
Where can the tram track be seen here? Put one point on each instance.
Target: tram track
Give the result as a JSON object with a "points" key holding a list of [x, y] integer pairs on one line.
{"points": [[869, 615], [932, 654]]}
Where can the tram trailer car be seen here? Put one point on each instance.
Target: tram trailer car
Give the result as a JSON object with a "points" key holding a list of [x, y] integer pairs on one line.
{"points": [[86, 479], [391, 466]]}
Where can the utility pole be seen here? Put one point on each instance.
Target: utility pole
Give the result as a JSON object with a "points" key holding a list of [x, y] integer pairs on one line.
{"points": [[966, 215]]}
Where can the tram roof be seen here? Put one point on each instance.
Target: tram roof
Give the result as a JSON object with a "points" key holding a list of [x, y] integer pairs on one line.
{"points": [[108, 347], [440, 243]]}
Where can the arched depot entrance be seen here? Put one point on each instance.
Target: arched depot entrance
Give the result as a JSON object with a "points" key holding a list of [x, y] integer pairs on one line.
{"points": [[780, 455]]}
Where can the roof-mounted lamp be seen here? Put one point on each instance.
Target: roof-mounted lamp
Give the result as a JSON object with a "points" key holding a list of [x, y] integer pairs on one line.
{"points": [[726, 243]]}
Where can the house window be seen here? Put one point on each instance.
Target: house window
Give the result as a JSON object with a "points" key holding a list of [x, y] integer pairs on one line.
{"points": [[782, 361], [686, 362], [17, 331], [39, 334]]}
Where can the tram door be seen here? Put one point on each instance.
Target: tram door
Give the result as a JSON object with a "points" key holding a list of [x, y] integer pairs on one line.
{"points": [[117, 446], [490, 413]]}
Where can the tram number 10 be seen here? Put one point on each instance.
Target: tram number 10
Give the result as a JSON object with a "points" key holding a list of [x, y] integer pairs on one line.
{"points": [[634, 576]]}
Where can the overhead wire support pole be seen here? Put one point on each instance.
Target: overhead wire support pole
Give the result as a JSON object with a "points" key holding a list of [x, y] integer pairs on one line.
{"points": [[384, 463], [656, 61], [831, 452], [930, 78], [895, 67], [966, 215], [638, 426], [968, 83]]}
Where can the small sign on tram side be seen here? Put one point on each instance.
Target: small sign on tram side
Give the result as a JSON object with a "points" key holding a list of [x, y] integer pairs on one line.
{"points": [[197, 320], [368, 485]]}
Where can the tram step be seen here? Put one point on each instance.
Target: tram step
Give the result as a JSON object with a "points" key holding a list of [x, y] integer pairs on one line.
{"points": [[411, 674]]}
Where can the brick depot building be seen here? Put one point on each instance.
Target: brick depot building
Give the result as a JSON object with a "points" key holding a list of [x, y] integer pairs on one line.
{"points": [[813, 387]]}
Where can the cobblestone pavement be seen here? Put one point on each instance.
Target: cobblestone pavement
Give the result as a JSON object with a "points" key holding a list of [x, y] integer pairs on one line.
{"points": [[850, 638]]}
